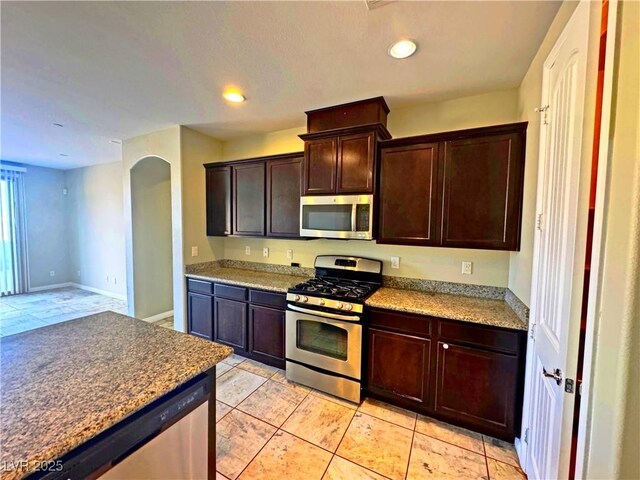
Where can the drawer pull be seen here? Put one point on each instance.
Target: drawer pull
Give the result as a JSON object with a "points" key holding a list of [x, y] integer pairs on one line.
{"points": [[445, 346]]}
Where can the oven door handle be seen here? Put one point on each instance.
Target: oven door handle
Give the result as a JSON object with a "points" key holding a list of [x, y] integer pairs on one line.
{"points": [[335, 316]]}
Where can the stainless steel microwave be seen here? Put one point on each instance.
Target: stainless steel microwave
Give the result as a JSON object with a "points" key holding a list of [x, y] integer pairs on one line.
{"points": [[337, 216]]}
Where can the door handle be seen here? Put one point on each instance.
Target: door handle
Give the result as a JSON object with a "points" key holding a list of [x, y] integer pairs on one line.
{"points": [[556, 375]]}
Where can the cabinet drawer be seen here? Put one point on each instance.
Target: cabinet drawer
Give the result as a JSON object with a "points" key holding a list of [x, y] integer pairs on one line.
{"points": [[234, 293], [269, 299], [401, 322], [200, 286], [483, 336]]}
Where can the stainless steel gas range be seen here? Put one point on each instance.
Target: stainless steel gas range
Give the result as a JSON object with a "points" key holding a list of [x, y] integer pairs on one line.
{"points": [[324, 325]]}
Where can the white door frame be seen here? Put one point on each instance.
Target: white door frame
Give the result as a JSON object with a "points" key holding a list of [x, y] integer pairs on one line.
{"points": [[568, 289], [593, 306]]}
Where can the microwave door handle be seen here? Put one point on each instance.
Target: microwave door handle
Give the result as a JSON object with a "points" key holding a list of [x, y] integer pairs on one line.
{"points": [[354, 216]]}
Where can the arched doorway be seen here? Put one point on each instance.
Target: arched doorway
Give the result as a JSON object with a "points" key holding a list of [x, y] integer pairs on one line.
{"points": [[152, 257]]}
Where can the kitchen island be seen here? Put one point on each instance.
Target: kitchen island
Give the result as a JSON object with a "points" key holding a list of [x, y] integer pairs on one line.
{"points": [[65, 387]]}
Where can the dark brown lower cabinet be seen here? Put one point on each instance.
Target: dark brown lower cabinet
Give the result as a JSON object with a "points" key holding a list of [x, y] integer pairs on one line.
{"points": [[467, 374], [266, 333], [476, 386], [230, 326], [252, 322], [399, 365], [200, 315]]}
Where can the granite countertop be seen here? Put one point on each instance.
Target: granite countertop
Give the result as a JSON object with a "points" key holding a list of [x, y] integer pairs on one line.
{"points": [[275, 282], [454, 307], [65, 383]]}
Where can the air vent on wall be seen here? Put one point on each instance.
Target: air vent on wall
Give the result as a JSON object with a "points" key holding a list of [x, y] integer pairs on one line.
{"points": [[371, 4]]}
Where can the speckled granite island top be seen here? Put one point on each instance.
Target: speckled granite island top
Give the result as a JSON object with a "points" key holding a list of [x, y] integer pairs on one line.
{"points": [[275, 282], [63, 384], [454, 307]]}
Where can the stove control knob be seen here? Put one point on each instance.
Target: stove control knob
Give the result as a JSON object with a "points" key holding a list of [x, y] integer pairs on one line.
{"points": [[321, 302], [348, 307], [340, 305], [296, 298], [304, 299]]}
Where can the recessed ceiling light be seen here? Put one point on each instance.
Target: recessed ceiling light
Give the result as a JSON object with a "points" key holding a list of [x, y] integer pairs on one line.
{"points": [[402, 48], [58, 125], [64, 155], [233, 96]]}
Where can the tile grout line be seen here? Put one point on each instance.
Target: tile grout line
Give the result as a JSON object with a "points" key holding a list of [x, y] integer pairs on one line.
{"points": [[413, 437], [486, 460]]}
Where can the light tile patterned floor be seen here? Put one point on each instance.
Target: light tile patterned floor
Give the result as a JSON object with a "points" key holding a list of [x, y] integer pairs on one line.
{"points": [[19, 313], [269, 428]]}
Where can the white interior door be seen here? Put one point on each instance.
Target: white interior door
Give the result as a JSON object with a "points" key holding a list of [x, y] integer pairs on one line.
{"points": [[551, 357]]}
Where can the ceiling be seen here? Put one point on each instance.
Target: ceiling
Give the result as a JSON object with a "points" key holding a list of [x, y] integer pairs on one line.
{"points": [[113, 70]]}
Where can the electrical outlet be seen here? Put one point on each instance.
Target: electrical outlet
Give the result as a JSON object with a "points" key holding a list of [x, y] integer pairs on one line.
{"points": [[247, 250], [78, 272], [395, 262], [107, 279], [290, 254], [115, 281], [52, 273], [467, 268], [194, 251], [265, 252]]}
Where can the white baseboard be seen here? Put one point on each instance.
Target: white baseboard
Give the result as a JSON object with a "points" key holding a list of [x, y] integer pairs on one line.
{"points": [[106, 293], [158, 317], [50, 287]]}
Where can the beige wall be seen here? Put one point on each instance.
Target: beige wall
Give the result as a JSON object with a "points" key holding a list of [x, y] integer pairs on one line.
{"points": [[95, 220], [152, 240], [490, 267], [47, 235], [196, 150], [164, 144], [615, 391], [529, 96]]}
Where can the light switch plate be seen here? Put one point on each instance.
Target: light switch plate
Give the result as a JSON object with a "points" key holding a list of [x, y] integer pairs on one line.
{"points": [[290, 254], [467, 268], [395, 262], [247, 250], [265, 252], [194, 251]]}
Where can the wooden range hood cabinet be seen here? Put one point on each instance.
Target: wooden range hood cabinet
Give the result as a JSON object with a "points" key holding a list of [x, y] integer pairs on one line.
{"points": [[340, 147]]}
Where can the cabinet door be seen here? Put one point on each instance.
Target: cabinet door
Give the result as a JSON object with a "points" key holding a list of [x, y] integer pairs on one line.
{"points": [[408, 200], [283, 197], [482, 182], [248, 196], [356, 158], [266, 335], [476, 387], [200, 315], [218, 191], [399, 366], [230, 323], [320, 158]]}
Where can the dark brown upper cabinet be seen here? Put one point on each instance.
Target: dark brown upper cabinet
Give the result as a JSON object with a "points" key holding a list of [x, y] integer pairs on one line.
{"points": [[482, 191], [283, 196], [255, 197], [249, 199], [341, 161], [407, 194], [218, 193], [476, 201], [320, 166], [356, 160]]}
